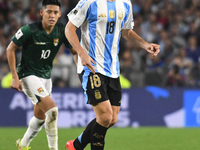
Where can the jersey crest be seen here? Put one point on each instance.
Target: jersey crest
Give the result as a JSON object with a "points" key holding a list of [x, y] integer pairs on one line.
{"points": [[55, 42], [40, 90], [97, 94], [120, 14], [112, 14]]}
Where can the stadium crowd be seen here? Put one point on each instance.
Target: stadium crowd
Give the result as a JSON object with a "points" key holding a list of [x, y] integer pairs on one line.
{"points": [[173, 24]]}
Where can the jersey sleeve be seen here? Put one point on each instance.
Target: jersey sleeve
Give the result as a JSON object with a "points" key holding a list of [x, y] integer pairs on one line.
{"points": [[22, 35], [129, 24], [78, 15]]}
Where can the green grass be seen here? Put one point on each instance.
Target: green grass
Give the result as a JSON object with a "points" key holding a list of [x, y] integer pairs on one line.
{"points": [[155, 138]]}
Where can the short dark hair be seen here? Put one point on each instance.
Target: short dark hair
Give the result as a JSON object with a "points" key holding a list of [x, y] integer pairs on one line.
{"points": [[51, 2]]}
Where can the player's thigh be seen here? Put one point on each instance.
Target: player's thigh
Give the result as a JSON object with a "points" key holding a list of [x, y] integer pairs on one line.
{"points": [[95, 87], [103, 108], [34, 88], [104, 113]]}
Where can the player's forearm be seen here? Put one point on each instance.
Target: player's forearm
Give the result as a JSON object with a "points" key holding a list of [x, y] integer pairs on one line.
{"points": [[70, 33], [74, 41], [137, 41], [12, 62]]}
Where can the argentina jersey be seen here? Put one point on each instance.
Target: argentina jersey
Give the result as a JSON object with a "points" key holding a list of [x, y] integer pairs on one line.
{"points": [[101, 23]]}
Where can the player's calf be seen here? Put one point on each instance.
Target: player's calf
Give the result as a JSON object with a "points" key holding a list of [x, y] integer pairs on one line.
{"points": [[51, 128]]}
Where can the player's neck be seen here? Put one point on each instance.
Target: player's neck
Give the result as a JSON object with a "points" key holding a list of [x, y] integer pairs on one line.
{"points": [[111, 0], [47, 28]]}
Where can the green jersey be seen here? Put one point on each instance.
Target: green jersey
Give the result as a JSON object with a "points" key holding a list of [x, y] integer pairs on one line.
{"points": [[38, 48]]}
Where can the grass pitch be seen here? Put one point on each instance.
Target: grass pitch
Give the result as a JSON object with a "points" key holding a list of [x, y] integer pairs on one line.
{"points": [[152, 138]]}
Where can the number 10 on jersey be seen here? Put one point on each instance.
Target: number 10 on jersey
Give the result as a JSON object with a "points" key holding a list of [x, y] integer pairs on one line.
{"points": [[45, 54]]}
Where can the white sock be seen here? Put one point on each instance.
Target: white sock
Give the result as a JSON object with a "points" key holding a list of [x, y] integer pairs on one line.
{"points": [[35, 125], [51, 128]]}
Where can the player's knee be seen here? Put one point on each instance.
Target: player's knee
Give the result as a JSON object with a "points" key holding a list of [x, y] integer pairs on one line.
{"points": [[106, 118], [113, 122], [51, 117]]}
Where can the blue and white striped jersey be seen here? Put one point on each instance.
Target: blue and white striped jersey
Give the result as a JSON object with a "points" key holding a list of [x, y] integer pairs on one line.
{"points": [[101, 23]]}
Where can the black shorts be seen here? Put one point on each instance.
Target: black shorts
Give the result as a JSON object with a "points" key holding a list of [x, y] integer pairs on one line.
{"points": [[98, 88]]}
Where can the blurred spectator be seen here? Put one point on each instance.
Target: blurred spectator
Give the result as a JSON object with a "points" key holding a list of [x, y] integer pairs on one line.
{"points": [[193, 51], [162, 41], [18, 11], [30, 16], [177, 40], [162, 18], [3, 45], [131, 69], [193, 31], [65, 9], [4, 7], [197, 19], [184, 63], [153, 70], [132, 66], [181, 26], [173, 78], [150, 28], [136, 7]]}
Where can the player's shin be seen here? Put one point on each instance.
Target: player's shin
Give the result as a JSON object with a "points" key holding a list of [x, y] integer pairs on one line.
{"points": [[97, 137], [81, 142], [35, 125], [51, 128]]}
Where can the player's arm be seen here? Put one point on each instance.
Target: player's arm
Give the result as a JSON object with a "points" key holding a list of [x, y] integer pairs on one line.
{"points": [[130, 35], [70, 33], [16, 84]]}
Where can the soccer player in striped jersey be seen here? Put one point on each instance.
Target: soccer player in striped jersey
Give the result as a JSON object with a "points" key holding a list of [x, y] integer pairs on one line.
{"points": [[102, 24]]}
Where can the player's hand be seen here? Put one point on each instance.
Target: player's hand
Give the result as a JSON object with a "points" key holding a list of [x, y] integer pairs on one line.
{"points": [[86, 61], [16, 84], [153, 49]]}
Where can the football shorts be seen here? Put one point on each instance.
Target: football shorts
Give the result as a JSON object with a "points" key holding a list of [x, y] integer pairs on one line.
{"points": [[98, 88], [35, 87]]}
